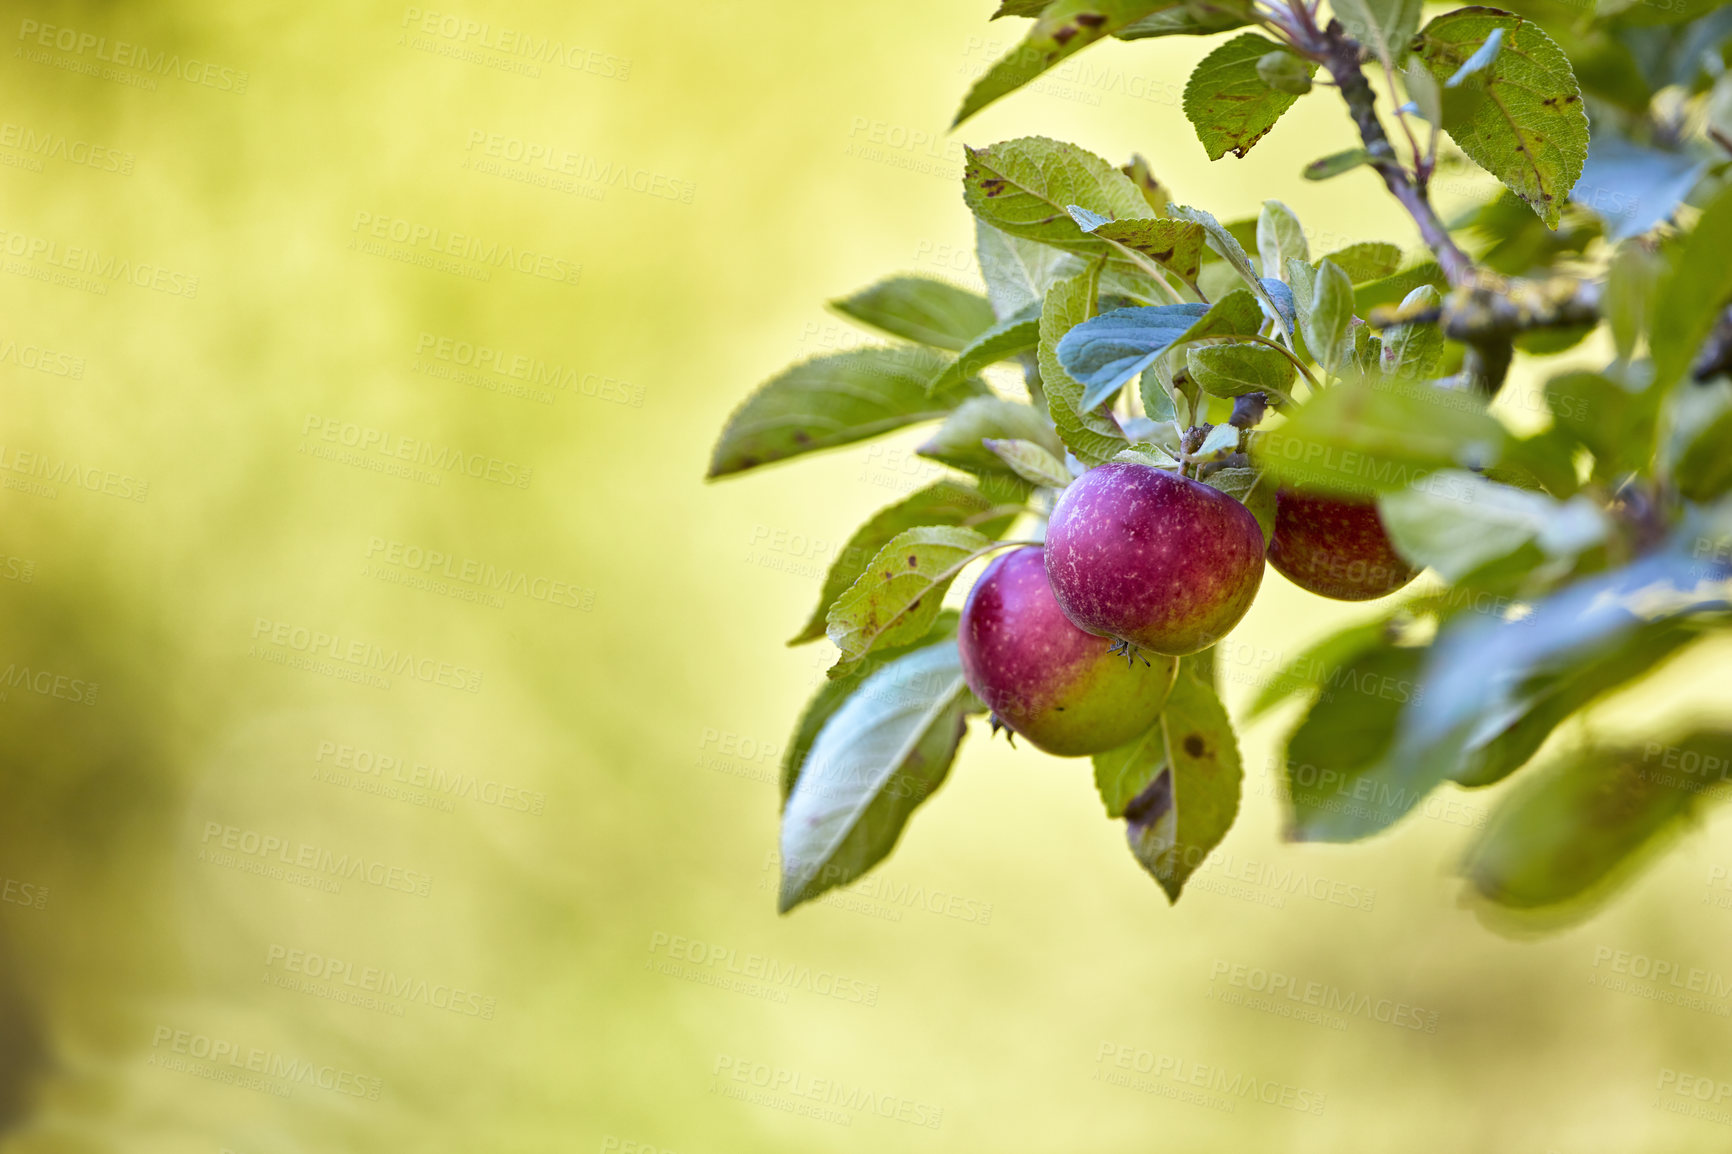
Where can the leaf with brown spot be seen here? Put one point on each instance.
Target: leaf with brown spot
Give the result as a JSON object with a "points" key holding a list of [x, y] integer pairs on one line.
{"points": [[943, 503], [1025, 188], [1170, 243], [1529, 131], [1228, 102], [1205, 776], [890, 605], [1062, 28], [1177, 785]]}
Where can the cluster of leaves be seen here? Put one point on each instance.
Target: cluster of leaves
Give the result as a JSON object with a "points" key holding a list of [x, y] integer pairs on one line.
{"points": [[1119, 325]]}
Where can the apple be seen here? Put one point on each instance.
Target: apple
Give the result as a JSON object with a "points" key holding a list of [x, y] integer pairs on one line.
{"points": [[1335, 547], [1066, 691], [1152, 558]]}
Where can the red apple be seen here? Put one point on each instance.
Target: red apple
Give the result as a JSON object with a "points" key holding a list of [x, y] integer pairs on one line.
{"points": [[1062, 689], [1152, 558], [1335, 547]]}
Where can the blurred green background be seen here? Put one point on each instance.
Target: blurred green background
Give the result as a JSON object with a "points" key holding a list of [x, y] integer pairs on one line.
{"points": [[390, 714]]}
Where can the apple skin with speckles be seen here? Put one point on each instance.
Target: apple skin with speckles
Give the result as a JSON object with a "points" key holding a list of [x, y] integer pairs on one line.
{"points": [[1062, 689], [1335, 547], [1150, 557]]}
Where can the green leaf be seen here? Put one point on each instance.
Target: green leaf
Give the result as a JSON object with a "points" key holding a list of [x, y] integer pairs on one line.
{"points": [[1317, 666], [1632, 289], [1222, 241], [1064, 27], [958, 441], [900, 593], [832, 693], [1284, 72], [1251, 489], [1366, 261], [1357, 438], [1384, 26], [916, 308], [1338, 786], [1026, 187], [943, 503], [1032, 463], [1691, 297], [1173, 244], [886, 750], [1503, 745], [1106, 351], [1544, 461], [1122, 773], [1228, 102], [1233, 370], [1413, 351], [1140, 175], [1530, 131], [1391, 289], [1456, 522], [1586, 824], [1423, 90], [1479, 61], [1193, 18], [1092, 434], [1615, 424], [1018, 272], [1588, 637], [1153, 455], [835, 400], [1336, 163], [1004, 340], [1699, 464], [1280, 238], [1331, 315], [1174, 823]]}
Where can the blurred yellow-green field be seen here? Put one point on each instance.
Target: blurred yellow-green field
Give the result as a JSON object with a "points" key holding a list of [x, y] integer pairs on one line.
{"points": [[392, 717]]}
